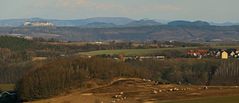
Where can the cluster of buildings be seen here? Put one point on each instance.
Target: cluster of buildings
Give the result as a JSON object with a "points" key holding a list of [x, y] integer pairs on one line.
{"points": [[38, 24], [22, 36], [216, 53], [126, 58], [141, 58]]}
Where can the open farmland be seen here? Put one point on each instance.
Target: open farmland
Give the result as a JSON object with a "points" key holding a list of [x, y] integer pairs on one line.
{"points": [[132, 52], [225, 47]]}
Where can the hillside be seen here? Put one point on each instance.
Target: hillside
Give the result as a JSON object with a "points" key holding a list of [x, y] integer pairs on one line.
{"points": [[161, 33], [134, 90], [14, 43], [188, 23], [72, 72], [142, 23]]}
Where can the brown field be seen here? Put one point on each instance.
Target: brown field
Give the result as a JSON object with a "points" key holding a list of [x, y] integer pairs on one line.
{"points": [[7, 87], [135, 90]]}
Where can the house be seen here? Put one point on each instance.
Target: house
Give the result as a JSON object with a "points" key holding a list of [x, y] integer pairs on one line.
{"points": [[38, 58], [232, 54], [215, 52], [224, 55], [98, 42], [160, 57], [218, 54], [237, 52], [197, 53], [28, 38]]}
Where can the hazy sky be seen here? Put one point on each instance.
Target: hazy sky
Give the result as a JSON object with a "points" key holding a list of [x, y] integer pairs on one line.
{"points": [[210, 10]]}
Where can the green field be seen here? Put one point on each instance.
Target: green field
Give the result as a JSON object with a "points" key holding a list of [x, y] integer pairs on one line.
{"points": [[225, 47], [132, 52], [137, 52], [226, 99], [7, 87]]}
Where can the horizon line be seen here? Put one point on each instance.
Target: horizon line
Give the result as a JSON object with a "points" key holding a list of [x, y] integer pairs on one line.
{"points": [[155, 19]]}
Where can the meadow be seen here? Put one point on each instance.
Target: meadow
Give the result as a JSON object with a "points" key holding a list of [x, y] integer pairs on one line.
{"points": [[133, 52]]}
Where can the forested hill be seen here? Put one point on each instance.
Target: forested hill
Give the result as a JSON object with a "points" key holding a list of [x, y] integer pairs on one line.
{"points": [[15, 43], [163, 33]]}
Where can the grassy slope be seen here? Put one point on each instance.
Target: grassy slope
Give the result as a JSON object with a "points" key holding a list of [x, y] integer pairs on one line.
{"points": [[132, 52], [226, 99]]}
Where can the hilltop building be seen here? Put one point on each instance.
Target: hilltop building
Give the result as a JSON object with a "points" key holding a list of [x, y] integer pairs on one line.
{"points": [[38, 24]]}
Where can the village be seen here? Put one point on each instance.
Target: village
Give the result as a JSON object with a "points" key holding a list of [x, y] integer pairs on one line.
{"points": [[214, 53], [192, 53]]}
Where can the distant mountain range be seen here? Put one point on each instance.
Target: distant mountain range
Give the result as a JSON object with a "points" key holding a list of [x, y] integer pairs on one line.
{"points": [[188, 23], [120, 28], [224, 24], [108, 22], [143, 23], [192, 33]]}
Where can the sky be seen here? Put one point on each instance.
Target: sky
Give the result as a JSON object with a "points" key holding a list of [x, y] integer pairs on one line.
{"points": [[208, 10]]}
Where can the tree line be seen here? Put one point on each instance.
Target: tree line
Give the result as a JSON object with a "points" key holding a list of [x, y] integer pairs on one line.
{"points": [[64, 74]]}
